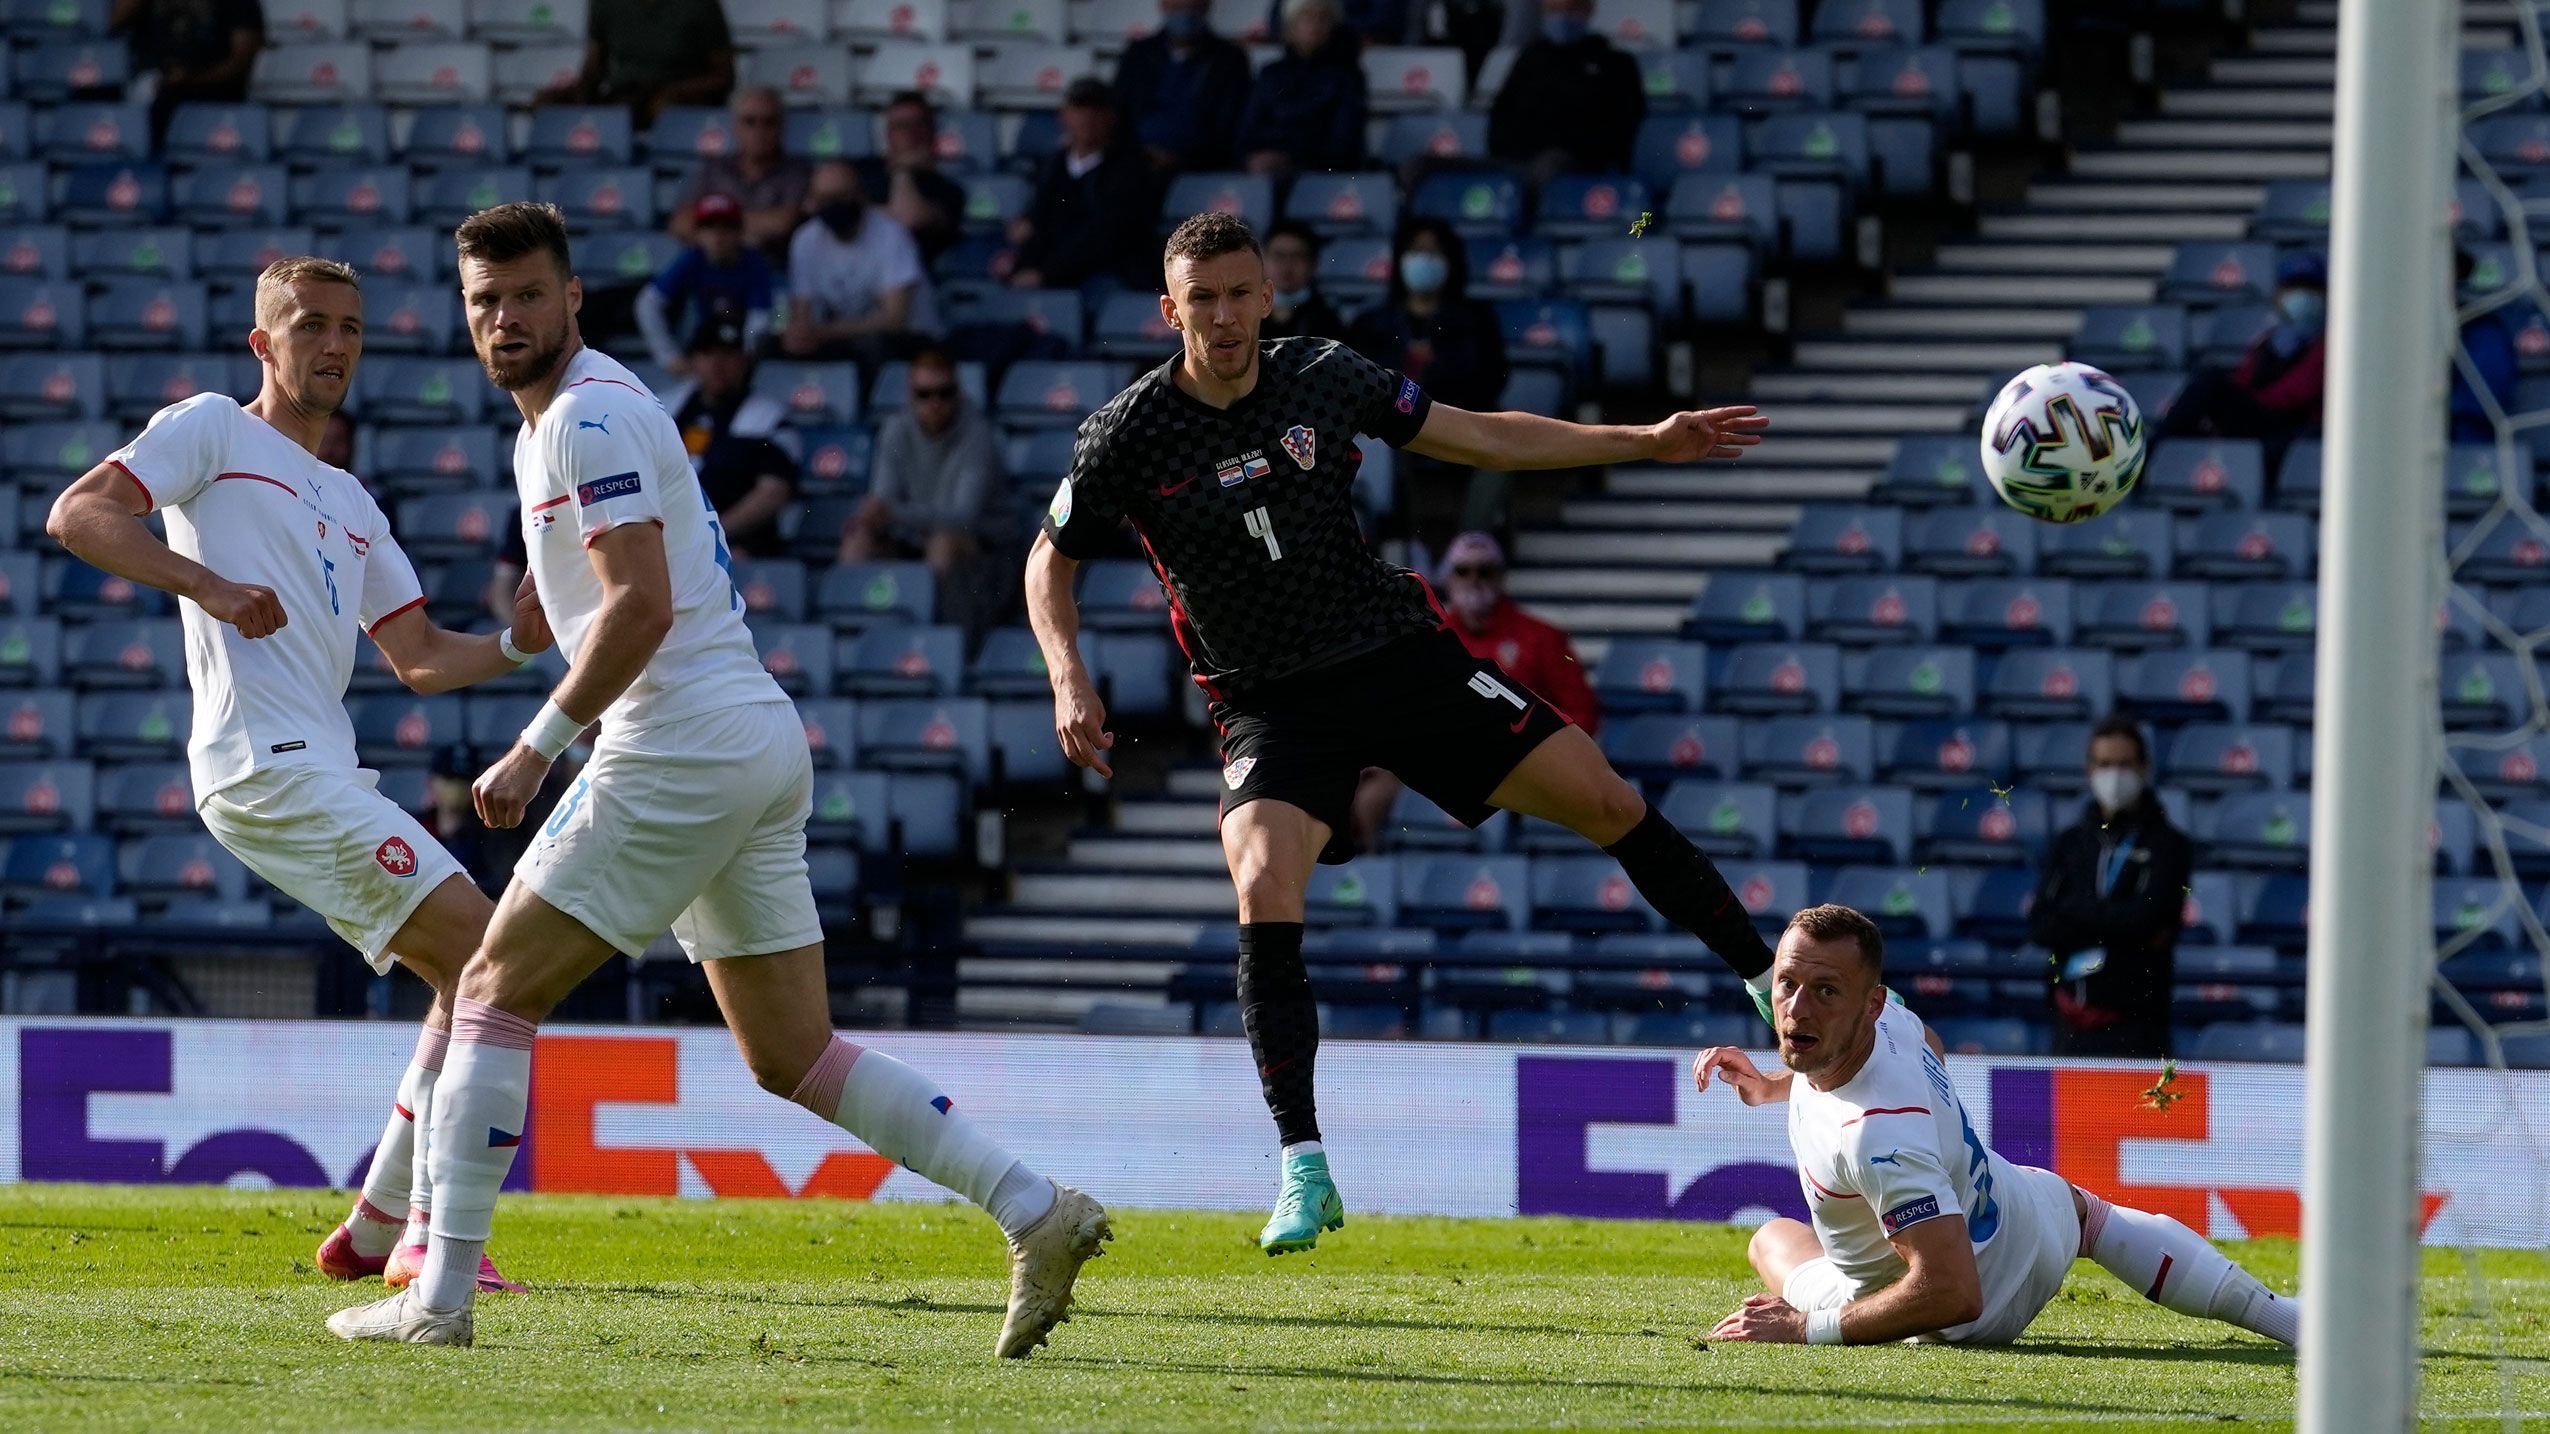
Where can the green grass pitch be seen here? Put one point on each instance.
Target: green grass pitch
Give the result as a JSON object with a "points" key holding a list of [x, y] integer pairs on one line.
{"points": [[171, 1309]]}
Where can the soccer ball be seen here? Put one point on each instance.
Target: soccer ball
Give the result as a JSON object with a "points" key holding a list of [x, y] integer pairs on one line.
{"points": [[2063, 443]]}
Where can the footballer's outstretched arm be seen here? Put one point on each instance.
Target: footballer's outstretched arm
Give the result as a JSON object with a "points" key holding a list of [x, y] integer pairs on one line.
{"points": [[97, 520], [430, 658], [1080, 719], [1513, 440]]}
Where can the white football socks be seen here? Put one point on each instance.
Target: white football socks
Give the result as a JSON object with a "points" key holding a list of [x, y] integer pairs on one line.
{"points": [[394, 1187], [902, 1115], [479, 1107], [2175, 1267], [422, 1076]]}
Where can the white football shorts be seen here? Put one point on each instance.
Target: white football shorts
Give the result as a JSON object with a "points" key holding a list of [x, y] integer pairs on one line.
{"points": [[327, 838], [698, 824], [2038, 1213]]}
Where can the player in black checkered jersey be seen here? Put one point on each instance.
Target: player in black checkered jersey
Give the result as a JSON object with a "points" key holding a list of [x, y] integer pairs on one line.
{"points": [[1234, 462]]}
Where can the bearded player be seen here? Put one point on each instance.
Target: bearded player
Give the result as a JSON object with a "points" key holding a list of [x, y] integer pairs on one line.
{"points": [[1920, 1230], [1234, 461], [691, 813], [304, 558]]}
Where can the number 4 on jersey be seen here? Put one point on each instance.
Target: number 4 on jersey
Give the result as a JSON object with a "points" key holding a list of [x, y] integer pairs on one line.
{"points": [[1262, 527]]}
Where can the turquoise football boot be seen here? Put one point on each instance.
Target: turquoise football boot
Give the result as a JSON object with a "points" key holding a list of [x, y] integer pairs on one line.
{"points": [[1307, 1205]]}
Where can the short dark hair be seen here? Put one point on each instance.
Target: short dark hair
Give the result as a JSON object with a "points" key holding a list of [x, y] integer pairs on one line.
{"points": [[509, 231], [901, 98], [1210, 235], [1090, 93], [1294, 229], [2117, 724], [1832, 923], [931, 356]]}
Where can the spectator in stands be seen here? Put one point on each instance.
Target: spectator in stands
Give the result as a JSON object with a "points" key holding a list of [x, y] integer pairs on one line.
{"points": [[937, 472], [652, 56], [2273, 394], [1492, 625], [1573, 101], [1182, 88], [1096, 204], [1307, 110], [769, 183], [194, 50], [336, 442], [1429, 327], [2109, 902], [1292, 271], [1363, 22], [729, 431], [907, 180], [856, 288], [2488, 342], [718, 277]]}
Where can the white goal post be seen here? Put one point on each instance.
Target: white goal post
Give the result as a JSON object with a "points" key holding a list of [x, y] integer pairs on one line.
{"points": [[2376, 723]]}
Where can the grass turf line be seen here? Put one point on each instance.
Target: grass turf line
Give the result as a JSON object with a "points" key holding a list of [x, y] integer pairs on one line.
{"points": [[146, 1309]]}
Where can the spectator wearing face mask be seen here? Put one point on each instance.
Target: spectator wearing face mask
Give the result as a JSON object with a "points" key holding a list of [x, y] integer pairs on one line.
{"points": [[1292, 271], [1429, 327], [1307, 111], [1182, 88], [856, 288], [2109, 903], [1574, 100], [2274, 392]]}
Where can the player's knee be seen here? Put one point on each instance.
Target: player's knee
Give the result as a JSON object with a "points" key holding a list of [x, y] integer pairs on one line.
{"points": [[1610, 810], [778, 1076]]}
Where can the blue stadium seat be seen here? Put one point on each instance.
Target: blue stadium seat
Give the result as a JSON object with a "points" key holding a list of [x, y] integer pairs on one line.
{"points": [[227, 195], [1823, 145], [1725, 26], [1911, 681], [1862, 611], [1946, 753], [411, 458], [52, 71], [1250, 196], [2476, 475], [1992, 1036], [1587, 894], [1903, 902], [2000, 613], [1690, 1031], [2192, 475], [1355, 269], [832, 730], [2248, 546], [2455, 834], [773, 589], [951, 734], [1479, 204], [1978, 542], [2507, 774], [206, 133], [25, 194], [1049, 393], [37, 251], [852, 807], [901, 660], [33, 724], [2185, 685], [1985, 828], [814, 394], [2294, 211], [1133, 670], [2221, 336], [1672, 148], [155, 253], [616, 197], [353, 196], [1362, 893], [2122, 337], [1724, 819], [454, 525], [404, 729], [1440, 135], [42, 314], [172, 864], [37, 21], [2139, 615], [100, 195], [21, 590], [565, 136], [1764, 678], [446, 196], [1723, 209], [1676, 81], [1849, 824], [1617, 269], [799, 656], [1664, 747], [49, 797], [39, 387], [2259, 831], [1024, 748], [142, 652], [1857, 24], [1591, 206], [1838, 539], [466, 137], [356, 133], [1417, 824], [134, 725], [1652, 675], [1991, 904], [1802, 751], [2475, 913], [1122, 595], [1340, 204], [2050, 684], [94, 132], [1771, 891], [2124, 544], [2482, 689], [625, 259], [1770, 80], [1461, 893], [58, 865], [30, 651], [2214, 758], [73, 589], [1053, 316], [1930, 471], [147, 313], [1509, 269], [411, 253], [1129, 325], [1740, 607], [2208, 272], [423, 390]]}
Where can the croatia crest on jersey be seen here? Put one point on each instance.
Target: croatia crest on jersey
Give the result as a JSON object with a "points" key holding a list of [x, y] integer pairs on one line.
{"points": [[1237, 772], [1302, 443]]}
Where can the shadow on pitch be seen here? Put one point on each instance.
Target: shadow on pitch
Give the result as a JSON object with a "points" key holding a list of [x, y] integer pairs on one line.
{"points": [[2226, 1352], [924, 1304]]}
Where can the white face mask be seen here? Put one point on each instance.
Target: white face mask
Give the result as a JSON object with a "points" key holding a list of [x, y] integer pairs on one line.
{"points": [[2116, 787]]}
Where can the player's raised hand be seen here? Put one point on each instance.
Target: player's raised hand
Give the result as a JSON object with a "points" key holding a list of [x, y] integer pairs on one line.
{"points": [[1763, 1319], [1080, 724], [254, 610], [504, 791], [531, 621], [1697, 434], [1733, 1066]]}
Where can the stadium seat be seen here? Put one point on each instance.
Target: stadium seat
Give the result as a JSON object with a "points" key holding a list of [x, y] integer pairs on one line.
{"points": [[898, 660], [93, 132], [1849, 824], [1976, 542], [2040, 684], [1805, 751], [1717, 209], [1587, 893], [73, 589], [2200, 475], [1766, 678], [1725, 819], [2221, 337], [2205, 273], [1465, 892], [2000, 613], [124, 653], [1833, 539], [1911, 681], [1119, 595], [854, 808], [1561, 1028], [1047, 393], [1946, 754], [1026, 73], [42, 314], [857, 595], [2248, 546], [1505, 269], [620, 197], [832, 730], [2185, 685], [1865, 611], [2121, 337], [166, 865], [1363, 893], [1399, 79], [1025, 752], [1725, 26], [47, 797], [55, 70], [2475, 913], [1904, 903], [1626, 271], [25, 194], [1770, 80], [2123, 544], [1652, 675], [2139, 615], [1415, 823], [2259, 831], [426, 391], [1983, 827], [2213, 759], [147, 313], [1478, 204], [58, 865], [1930, 471], [1336, 205], [404, 729], [799, 656], [1666, 747], [101, 195], [454, 525], [36, 251], [803, 75], [155, 253]]}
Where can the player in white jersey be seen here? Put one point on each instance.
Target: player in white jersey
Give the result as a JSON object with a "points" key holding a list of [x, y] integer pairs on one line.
{"points": [[691, 814], [304, 558], [1920, 1230]]}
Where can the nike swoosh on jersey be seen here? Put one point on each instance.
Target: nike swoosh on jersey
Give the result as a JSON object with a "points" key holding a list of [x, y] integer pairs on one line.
{"points": [[1171, 490], [1519, 721]]}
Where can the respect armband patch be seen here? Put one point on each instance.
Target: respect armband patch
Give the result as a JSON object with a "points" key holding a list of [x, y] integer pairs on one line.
{"points": [[603, 490], [1408, 394], [1911, 1212]]}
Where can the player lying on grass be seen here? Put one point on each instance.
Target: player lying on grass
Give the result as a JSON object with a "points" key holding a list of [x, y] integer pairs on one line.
{"points": [[1921, 1231], [1234, 461], [304, 558], [692, 814]]}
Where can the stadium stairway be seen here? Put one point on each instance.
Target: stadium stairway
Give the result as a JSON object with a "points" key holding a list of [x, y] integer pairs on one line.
{"points": [[1117, 915]]}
